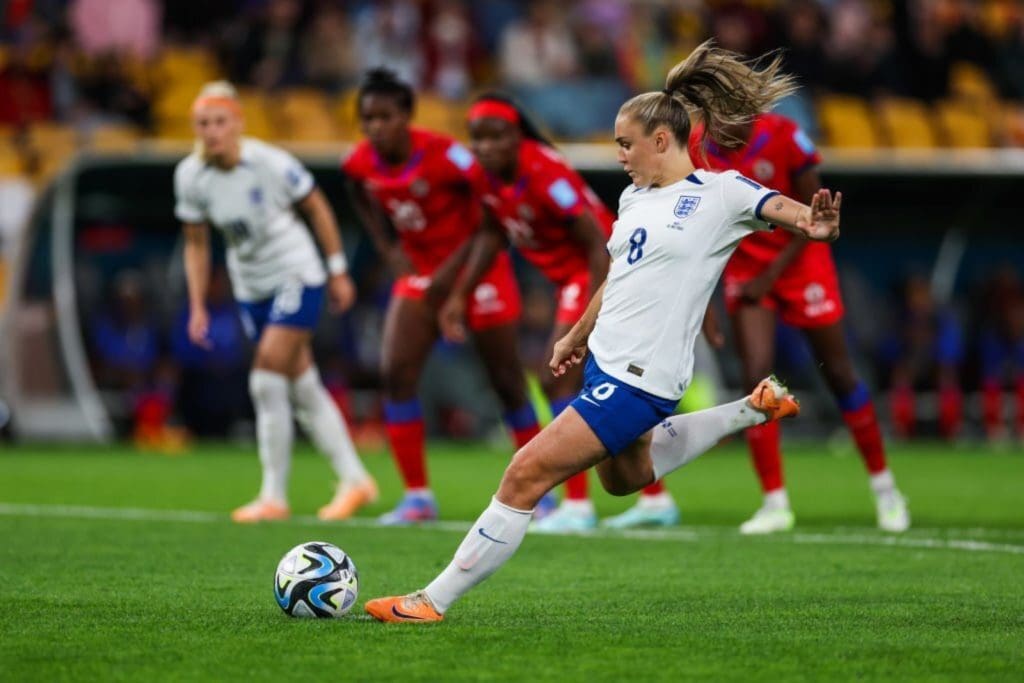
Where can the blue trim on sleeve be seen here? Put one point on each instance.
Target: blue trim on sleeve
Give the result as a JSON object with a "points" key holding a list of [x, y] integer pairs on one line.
{"points": [[404, 412], [760, 204], [521, 418], [856, 399]]}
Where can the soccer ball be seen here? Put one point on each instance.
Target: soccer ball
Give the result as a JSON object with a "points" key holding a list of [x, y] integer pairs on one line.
{"points": [[316, 579]]}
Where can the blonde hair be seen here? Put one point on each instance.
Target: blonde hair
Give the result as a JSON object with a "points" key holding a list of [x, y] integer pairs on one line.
{"points": [[717, 86]]}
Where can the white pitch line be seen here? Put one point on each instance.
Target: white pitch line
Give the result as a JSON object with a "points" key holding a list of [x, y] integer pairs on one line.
{"points": [[842, 537]]}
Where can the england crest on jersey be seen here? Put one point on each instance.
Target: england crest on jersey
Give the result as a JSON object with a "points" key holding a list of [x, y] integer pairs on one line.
{"points": [[686, 205]]}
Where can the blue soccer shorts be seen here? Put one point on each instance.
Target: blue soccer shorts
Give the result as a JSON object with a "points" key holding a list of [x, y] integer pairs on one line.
{"points": [[616, 412], [294, 305]]}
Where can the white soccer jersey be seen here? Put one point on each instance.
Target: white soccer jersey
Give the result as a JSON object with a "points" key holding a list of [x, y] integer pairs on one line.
{"points": [[668, 248], [252, 205]]}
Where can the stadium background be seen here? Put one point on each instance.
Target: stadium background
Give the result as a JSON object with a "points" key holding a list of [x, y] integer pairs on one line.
{"points": [[916, 104]]}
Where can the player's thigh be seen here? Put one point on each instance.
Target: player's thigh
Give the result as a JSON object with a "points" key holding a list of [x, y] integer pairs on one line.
{"points": [[630, 470], [565, 447], [281, 349], [754, 329], [828, 342], [410, 330], [566, 385]]}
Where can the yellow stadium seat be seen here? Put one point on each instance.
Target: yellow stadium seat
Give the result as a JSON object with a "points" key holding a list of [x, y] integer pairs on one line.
{"points": [[114, 139], [346, 118], [304, 115], [439, 114], [963, 124], [906, 123], [11, 162], [847, 122], [256, 107], [968, 81], [185, 64]]}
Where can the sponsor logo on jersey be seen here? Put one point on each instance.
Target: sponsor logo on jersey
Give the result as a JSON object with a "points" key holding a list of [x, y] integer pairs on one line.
{"points": [[764, 170], [256, 196], [294, 176], [685, 206], [419, 188]]}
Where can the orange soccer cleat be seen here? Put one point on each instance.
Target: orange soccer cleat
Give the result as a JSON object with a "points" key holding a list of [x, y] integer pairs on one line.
{"points": [[772, 398], [348, 499], [260, 511], [414, 608]]}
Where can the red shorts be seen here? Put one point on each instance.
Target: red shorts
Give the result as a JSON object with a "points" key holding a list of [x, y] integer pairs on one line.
{"points": [[571, 299], [805, 295], [495, 299]]}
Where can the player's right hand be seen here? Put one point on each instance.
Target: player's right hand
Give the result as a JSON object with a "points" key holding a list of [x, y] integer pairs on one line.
{"points": [[452, 318], [568, 352], [199, 328]]}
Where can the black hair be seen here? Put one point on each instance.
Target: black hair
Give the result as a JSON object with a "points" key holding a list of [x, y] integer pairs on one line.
{"points": [[382, 81], [527, 126]]}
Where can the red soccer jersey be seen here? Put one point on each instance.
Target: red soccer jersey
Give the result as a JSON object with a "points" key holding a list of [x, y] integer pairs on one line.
{"points": [[776, 153], [534, 210], [429, 199]]}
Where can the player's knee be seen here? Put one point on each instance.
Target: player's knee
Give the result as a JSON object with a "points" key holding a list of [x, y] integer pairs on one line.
{"points": [[615, 484], [524, 480], [400, 380]]}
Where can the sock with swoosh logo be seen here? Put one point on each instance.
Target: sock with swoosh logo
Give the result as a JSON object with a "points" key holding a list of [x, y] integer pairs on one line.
{"points": [[491, 541]]}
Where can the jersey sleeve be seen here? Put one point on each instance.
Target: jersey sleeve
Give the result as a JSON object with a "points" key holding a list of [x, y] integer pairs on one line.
{"points": [[802, 152], [353, 165], [187, 207], [744, 200], [297, 179], [561, 196]]}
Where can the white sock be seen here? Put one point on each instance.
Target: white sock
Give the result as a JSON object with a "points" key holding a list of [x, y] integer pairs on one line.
{"points": [[883, 483], [321, 420], [491, 541], [578, 507], [658, 501], [269, 391], [777, 500], [681, 438]]}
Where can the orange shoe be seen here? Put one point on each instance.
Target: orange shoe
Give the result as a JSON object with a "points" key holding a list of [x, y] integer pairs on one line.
{"points": [[260, 511], [772, 398], [414, 608], [348, 499]]}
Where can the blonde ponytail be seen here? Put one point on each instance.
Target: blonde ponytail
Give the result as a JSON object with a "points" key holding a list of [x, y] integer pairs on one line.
{"points": [[717, 86]]}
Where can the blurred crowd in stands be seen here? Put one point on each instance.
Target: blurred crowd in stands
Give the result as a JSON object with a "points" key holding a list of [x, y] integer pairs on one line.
{"points": [[89, 62]]}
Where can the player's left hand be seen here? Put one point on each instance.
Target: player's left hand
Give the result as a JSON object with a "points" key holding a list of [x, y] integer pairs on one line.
{"points": [[342, 293], [755, 289], [823, 225], [568, 352]]}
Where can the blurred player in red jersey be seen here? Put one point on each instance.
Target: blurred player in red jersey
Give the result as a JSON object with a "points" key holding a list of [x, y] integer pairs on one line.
{"points": [[777, 274], [418, 185], [542, 207]]}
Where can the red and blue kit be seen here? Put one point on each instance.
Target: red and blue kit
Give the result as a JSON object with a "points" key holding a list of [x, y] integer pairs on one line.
{"points": [[431, 202], [806, 294], [534, 211]]}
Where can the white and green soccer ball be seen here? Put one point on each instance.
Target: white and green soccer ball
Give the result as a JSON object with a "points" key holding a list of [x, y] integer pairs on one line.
{"points": [[316, 579]]}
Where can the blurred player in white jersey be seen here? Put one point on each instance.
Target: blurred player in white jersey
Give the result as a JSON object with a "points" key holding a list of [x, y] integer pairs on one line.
{"points": [[250, 190], [676, 228]]}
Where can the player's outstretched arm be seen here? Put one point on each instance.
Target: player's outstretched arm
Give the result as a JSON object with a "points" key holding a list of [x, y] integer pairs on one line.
{"points": [[571, 349], [483, 247], [197, 279], [318, 212], [818, 222]]}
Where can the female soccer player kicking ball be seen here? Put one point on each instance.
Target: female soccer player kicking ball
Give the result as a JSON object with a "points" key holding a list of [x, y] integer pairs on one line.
{"points": [[778, 273], [675, 231], [420, 184], [249, 190], [537, 203]]}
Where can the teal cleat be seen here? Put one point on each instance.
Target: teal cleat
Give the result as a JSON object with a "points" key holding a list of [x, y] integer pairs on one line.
{"points": [[640, 516], [567, 519]]}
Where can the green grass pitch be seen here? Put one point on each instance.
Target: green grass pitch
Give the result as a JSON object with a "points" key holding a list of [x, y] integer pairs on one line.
{"points": [[118, 565]]}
